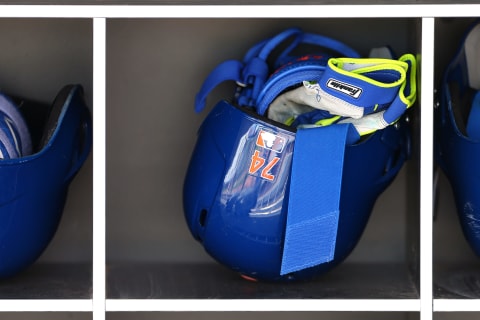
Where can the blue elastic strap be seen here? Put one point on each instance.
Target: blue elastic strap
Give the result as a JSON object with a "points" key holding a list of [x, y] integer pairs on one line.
{"points": [[263, 48], [395, 110], [285, 79], [254, 75], [398, 106], [228, 70], [314, 200], [253, 71], [256, 71], [473, 123], [321, 41], [275, 41]]}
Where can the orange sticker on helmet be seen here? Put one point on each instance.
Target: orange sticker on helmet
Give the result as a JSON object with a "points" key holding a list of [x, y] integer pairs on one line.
{"points": [[271, 142]]}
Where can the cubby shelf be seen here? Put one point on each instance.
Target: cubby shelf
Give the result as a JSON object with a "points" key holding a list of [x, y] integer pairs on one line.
{"points": [[141, 64]]}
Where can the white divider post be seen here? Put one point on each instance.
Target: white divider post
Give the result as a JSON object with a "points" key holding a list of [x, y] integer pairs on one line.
{"points": [[426, 165], [99, 111]]}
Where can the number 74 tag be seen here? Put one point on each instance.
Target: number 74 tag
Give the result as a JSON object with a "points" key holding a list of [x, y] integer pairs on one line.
{"points": [[258, 163]]}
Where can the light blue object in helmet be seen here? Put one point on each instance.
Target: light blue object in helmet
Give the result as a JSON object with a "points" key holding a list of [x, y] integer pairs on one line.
{"points": [[34, 186], [457, 133]]}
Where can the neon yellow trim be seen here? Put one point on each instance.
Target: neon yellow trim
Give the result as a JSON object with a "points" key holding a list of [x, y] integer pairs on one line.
{"points": [[327, 122], [369, 65], [367, 132], [354, 68], [289, 121], [410, 99], [352, 64]]}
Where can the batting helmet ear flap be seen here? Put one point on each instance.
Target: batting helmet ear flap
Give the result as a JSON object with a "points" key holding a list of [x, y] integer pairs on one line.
{"points": [[54, 114], [15, 140], [36, 186]]}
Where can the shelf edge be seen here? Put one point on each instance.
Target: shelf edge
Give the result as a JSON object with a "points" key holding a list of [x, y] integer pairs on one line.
{"points": [[241, 11], [46, 305], [406, 305], [459, 305]]}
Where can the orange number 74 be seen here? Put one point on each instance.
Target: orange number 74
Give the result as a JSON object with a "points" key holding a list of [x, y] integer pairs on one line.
{"points": [[258, 163]]}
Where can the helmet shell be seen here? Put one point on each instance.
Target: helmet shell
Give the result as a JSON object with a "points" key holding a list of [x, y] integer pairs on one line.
{"points": [[459, 156], [457, 149], [240, 217], [33, 188]]}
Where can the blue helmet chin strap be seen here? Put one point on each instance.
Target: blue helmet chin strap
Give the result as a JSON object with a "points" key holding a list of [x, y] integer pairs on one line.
{"points": [[317, 165], [252, 73], [314, 200]]}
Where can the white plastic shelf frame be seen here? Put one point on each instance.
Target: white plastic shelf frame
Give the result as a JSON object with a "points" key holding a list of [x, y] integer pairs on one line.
{"points": [[123, 249]]}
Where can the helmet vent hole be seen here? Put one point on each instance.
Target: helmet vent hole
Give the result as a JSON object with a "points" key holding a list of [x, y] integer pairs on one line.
{"points": [[203, 217]]}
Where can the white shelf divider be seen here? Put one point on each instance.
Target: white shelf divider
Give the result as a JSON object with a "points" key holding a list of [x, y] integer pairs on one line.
{"points": [[99, 117], [456, 305], [46, 305], [241, 11], [426, 167]]}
